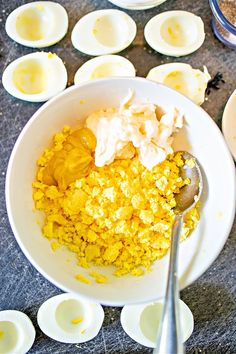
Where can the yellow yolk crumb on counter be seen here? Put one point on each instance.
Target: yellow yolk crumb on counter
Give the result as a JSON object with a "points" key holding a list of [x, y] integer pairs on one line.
{"points": [[119, 214]]}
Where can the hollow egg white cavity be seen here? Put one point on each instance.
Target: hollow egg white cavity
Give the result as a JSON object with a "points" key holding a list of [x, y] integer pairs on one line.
{"points": [[35, 77], [175, 33], [37, 24], [69, 319], [103, 32], [141, 322], [17, 333], [104, 66], [183, 78]]}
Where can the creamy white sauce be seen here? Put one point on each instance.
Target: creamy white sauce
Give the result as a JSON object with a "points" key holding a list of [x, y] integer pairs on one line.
{"points": [[138, 124]]}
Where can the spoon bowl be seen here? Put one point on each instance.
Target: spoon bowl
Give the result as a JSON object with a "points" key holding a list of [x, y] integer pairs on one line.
{"points": [[190, 193]]}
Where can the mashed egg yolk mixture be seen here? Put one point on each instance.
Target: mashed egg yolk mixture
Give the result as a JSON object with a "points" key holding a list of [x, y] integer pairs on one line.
{"points": [[119, 214]]}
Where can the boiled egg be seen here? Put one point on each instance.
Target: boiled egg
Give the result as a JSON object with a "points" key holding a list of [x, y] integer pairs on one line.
{"points": [[37, 24], [103, 32], [35, 77], [183, 78], [17, 333], [137, 4], [229, 124], [104, 66], [175, 33], [69, 319], [141, 322]]}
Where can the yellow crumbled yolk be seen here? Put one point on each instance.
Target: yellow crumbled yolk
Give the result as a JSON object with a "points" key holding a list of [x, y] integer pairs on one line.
{"points": [[51, 55], [190, 162], [55, 245], [83, 279], [120, 214], [100, 278], [1, 334], [77, 320]]}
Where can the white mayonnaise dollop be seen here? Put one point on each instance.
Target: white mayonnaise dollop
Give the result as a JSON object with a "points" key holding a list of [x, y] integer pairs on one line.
{"points": [[137, 124]]}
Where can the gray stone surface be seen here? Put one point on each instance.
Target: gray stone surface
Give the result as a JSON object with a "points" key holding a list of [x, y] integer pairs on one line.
{"points": [[212, 297]]}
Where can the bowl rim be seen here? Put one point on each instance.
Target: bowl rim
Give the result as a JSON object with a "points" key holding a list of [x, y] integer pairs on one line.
{"points": [[66, 92]]}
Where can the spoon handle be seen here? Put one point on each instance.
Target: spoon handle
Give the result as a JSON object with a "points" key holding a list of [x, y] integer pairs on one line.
{"points": [[169, 340]]}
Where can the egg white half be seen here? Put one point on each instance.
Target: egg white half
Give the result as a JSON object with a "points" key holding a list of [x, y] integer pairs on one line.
{"points": [[175, 33], [104, 66], [37, 24], [183, 78], [35, 77], [67, 318], [137, 4], [141, 322], [17, 332], [103, 32]]}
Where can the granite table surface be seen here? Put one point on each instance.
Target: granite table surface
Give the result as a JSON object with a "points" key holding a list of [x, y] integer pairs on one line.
{"points": [[212, 298]]}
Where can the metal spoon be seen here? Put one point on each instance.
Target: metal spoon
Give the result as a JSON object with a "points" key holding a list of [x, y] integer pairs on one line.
{"points": [[169, 340]]}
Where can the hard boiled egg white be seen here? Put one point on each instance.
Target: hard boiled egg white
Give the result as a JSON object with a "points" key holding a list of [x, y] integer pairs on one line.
{"points": [[37, 24], [175, 33], [35, 77], [229, 124], [141, 322], [68, 319], [137, 4], [104, 66], [17, 333], [103, 32], [183, 78]]}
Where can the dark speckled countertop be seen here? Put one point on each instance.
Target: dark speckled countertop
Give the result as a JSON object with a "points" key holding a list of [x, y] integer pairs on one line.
{"points": [[212, 298]]}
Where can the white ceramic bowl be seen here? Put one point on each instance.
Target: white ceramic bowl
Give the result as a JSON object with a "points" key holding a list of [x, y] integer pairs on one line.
{"points": [[200, 136]]}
